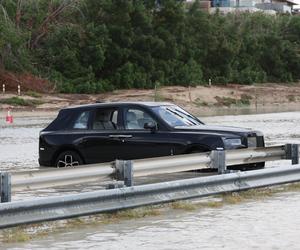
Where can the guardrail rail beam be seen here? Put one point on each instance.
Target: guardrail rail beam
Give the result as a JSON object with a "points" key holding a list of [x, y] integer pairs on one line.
{"points": [[102, 172], [67, 206]]}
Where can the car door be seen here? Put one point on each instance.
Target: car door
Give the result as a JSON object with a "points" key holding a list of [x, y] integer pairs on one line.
{"points": [[101, 143], [138, 142]]}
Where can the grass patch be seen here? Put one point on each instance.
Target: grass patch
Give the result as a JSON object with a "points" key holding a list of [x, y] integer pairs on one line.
{"points": [[26, 233], [228, 101], [291, 98], [225, 101], [14, 101], [236, 197], [183, 205], [200, 103], [232, 198], [291, 188], [133, 213], [211, 204], [245, 99], [224, 199], [15, 235], [33, 94], [17, 101]]}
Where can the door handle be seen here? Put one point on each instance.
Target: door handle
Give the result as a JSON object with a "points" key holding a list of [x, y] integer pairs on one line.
{"points": [[120, 136]]}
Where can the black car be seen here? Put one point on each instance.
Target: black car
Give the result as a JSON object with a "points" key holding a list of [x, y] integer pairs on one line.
{"points": [[103, 132]]}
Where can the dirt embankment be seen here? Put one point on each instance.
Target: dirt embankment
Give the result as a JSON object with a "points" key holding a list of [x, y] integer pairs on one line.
{"points": [[27, 81], [195, 99]]}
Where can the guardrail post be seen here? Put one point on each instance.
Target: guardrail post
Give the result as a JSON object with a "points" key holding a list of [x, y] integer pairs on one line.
{"points": [[5, 187], [124, 172], [128, 174], [292, 153], [218, 160]]}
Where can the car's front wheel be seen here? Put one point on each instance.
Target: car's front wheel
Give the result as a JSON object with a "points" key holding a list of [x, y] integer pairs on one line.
{"points": [[68, 159]]}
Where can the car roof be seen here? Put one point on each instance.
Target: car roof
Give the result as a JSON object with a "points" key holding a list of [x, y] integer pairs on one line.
{"points": [[108, 104]]}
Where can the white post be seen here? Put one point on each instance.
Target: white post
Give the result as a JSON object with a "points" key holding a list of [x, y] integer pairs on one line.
{"points": [[3, 88], [19, 90]]}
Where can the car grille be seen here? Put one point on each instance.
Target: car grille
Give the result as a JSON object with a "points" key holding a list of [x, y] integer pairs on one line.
{"points": [[252, 142]]}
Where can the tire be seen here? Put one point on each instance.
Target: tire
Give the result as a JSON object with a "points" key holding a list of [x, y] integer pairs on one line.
{"points": [[68, 159]]}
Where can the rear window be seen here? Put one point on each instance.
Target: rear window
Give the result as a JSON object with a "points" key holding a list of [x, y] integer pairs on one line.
{"points": [[82, 120], [105, 119]]}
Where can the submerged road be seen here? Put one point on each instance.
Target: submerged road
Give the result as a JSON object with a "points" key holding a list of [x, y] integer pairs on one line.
{"points": [[270, 223]]}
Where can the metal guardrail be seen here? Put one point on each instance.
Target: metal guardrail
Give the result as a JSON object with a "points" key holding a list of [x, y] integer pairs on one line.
{"points": [[62, 207], [53, 177], [170, 164]]}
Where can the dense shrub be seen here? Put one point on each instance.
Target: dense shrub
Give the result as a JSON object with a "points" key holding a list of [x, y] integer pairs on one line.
{"points": [[91, 46]]}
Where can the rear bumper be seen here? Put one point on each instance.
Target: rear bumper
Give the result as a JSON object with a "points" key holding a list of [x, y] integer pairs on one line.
{"points": [[44, 163], [46, 156]]}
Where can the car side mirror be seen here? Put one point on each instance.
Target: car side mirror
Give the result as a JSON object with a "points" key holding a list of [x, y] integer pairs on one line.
{"points": [[151, 126]]}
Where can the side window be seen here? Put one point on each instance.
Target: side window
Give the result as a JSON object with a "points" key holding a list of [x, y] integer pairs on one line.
{"points": [[82, 120], [114, 117], [105, 119], [136, 119]]}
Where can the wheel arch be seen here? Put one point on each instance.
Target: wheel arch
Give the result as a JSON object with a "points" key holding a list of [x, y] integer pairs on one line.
{"points": [[63, 149]]}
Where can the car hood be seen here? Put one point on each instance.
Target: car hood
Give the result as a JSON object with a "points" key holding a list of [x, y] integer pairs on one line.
{"points": [[218, 129]]}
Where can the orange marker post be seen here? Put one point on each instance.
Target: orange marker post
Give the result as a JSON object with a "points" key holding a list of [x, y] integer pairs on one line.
{"points": [[9, 117]]}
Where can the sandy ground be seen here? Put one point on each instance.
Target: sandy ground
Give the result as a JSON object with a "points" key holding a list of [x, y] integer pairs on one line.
{"points": [[198, 100]]}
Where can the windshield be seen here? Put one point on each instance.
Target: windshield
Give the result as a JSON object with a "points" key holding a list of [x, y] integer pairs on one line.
{"points": [[176, 116]]}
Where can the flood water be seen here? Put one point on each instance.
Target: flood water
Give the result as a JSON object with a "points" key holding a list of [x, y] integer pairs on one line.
{"points": [[19, 143], [271, 223]]}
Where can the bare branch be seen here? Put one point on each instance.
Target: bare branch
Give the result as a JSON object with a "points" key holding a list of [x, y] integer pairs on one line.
{"points": [[18, 13], [53, 14]]}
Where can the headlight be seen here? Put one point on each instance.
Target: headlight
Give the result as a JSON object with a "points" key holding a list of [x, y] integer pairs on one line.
{"points": [[232, 143]]}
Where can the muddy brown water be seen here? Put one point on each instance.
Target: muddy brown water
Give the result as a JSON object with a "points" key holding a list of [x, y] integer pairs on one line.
{"points": [[271, 223]]}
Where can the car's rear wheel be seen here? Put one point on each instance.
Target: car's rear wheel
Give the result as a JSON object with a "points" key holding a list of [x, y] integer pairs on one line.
{"points": [[68, 159]]}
